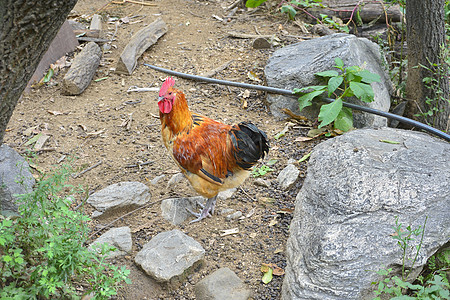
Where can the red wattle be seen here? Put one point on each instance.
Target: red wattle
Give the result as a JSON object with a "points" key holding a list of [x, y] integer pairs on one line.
{"points": [[165, 106]]}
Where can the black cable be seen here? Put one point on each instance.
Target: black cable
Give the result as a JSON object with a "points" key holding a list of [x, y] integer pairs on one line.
{"points": [[273, 90]]}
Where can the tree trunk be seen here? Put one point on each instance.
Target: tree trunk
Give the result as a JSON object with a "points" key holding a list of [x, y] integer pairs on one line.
{"points": [[27, 27], [425, 35]]}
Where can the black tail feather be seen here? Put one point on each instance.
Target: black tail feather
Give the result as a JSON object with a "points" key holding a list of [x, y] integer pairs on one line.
{"points": [[250, 144]]}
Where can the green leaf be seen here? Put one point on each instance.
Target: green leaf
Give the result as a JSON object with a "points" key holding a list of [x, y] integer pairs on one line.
{"points": [[7, 258], [329, 73], [306, 99], [307, 88], [362, 90], [344, 120], [329, 112], [389, 142], [339, 63], [254, 3], [367, 76], [272, 162], [334, 83], [267, 277], [100, 79], [49, 75], [289, 10], [305, 157]]}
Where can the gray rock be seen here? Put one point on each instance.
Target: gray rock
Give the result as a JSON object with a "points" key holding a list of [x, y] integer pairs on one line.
{"points": [[119, 238], [122, 196], [294, 66], [155, 180], [234, 216], [175, 179], [15, 178], [355, 187], [169, 255], [175, 210], [288, 176], [223, 284], [225, 195], [262, 182]]}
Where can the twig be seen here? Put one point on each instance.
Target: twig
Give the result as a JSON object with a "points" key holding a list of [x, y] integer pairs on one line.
{"points": [[246, 194], [248, 36], [139, 164], [217, 70], [123, 216], [133, 2], [88, 169], [134, 88]]}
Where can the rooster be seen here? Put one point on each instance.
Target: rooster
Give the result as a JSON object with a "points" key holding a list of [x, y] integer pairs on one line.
{"points": [[213, 156]]}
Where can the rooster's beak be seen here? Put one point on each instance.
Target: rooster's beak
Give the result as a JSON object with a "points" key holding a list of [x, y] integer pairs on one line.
{"points": [[160, 98]]}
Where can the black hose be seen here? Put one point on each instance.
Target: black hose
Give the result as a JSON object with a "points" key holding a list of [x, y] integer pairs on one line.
{"points": [[290, 93]]}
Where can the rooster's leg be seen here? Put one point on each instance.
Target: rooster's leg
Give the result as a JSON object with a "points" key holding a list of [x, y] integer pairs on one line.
{"points": [[207, 210]]}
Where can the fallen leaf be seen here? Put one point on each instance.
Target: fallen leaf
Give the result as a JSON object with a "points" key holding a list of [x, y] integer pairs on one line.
{"points": [[56, 113], [305, 157], [293, 115], [286, 210], [276, 270], [40, 142], [31, 130], [244, 104], [315, 132], [252, 76], [267, 277], [273, 221], [389, 142], [246, 94], [272, 162], [33, 140]]}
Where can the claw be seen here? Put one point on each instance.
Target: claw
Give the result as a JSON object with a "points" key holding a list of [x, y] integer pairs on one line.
{"points": [[207, 210]]}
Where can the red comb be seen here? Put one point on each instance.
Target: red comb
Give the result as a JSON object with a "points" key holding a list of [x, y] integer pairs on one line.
{"points": [[166, 84]]}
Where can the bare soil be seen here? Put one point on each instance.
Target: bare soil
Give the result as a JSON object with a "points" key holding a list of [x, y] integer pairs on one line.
{"points": [[121, 130]]}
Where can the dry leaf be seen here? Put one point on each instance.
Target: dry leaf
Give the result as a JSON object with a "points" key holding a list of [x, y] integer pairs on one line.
{"points": [[244, 104], [40, 142], [252, 76], [246, 94], [273, 221]]}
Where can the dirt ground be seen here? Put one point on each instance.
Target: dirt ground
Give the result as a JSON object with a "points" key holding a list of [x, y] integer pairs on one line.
{"points": [[121, 130]]}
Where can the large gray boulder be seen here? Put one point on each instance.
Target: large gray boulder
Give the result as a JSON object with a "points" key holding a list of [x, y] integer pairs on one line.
{"points": [[357, 184], [294, 66], [15, 178]]}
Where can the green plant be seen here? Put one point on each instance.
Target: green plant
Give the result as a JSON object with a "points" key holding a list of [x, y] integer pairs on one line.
{"points": [[327, 20], [264, 169], [439, 72], [435, 287], [42, 253], [353, 81]]}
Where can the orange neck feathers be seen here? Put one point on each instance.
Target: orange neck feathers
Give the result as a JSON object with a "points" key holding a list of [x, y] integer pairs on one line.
{"points": [[179, 118]]}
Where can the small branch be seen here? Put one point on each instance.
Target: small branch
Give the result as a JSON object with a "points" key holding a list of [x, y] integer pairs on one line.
{"points": [[217, 70], [133, 2], [123, 216], [134, 88], [139, 164], [88, 169]]}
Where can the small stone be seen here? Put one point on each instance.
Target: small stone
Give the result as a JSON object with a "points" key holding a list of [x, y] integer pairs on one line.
{"points": [[288, 176], [155, 180], [120, 238], [225, 195], [261, 43], [122, 196], [222, 284], [175, 210], [262, 182], [175, 179], [234, 216]]}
